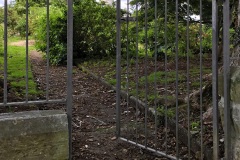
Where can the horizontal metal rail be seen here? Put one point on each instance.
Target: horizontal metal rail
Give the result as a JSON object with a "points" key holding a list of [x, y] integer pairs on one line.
{"points": [[149, 149], [33, 102]]}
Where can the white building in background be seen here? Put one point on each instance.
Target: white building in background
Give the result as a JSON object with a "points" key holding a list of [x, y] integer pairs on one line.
{"points": [[110, 2]]}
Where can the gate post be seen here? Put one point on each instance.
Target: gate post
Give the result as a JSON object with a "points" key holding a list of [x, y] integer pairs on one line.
{"points": [[215, 79], [234, 109], [69, 71], [118, 68]]}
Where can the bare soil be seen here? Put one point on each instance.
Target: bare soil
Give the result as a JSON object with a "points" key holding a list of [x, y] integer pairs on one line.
{"points": [[23, 43], [94, 113], [94, 116]]}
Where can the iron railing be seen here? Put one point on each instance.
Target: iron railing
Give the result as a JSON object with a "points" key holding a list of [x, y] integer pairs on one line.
{"points": [[68, 100], [149, 111]]}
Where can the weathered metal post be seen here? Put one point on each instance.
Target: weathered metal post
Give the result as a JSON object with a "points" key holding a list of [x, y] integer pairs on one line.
{"points": [[69, 71]]}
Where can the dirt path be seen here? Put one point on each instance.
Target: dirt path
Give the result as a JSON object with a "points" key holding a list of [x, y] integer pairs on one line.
{"points": [[94, 116], [93, 113], [23, 43]]}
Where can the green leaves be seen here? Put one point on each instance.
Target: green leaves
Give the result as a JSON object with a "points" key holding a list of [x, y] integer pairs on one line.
{"points": [[1, 40], [57, 34], [94, 31]]}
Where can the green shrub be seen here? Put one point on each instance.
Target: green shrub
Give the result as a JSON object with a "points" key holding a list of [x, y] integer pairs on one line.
{"points": [[94, 31], [57, 34], [21, 27], [1, 40]]}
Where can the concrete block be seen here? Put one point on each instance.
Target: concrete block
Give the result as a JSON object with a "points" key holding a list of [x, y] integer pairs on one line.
{"points": [[34, 135]]}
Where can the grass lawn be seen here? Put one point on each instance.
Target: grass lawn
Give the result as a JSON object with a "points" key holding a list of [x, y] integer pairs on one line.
{"points": [[17, 69]]}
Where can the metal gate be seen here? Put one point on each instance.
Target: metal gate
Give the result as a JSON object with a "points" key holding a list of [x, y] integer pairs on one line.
{"points": [[68, 99], [144, 117], [179, 130]]}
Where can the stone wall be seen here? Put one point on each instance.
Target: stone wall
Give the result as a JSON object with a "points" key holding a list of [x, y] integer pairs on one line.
{"points": [[34, 135], [234, 107]]}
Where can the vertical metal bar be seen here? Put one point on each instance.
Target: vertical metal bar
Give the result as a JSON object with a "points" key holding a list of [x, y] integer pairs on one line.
{"points": [[69, 71], [226, 51], [146, 67], [5, 51], [176, 59], [155, 70], [47, 52], [127, 77], [118, 69], [215, 79], [26, 78], [137, 71], [188, 87], [165, 70], [201, 73]]}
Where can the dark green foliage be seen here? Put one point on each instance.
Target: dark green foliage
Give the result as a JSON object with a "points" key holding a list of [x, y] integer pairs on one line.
{"points": [[1, 40], [12, 20], [1, 14], [21, 26], [57, 34], [171, 6], [194, 25], [94, 31], [156, 34], [17, 16]]}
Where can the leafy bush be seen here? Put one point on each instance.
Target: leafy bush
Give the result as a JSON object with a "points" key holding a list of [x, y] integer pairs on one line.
{"points": [[94, 31], [21, 27], [57, 34], [194, 38], [1, 39]]}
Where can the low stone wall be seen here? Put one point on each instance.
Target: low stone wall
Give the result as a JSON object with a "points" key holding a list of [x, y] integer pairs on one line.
{"points": [[34, 135], [234, 108]]}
